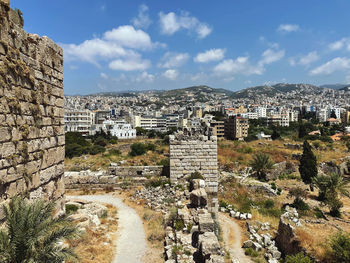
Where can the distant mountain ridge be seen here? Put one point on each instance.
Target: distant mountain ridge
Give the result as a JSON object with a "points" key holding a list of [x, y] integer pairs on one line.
{"points": [[271, 91], [205, 93]]}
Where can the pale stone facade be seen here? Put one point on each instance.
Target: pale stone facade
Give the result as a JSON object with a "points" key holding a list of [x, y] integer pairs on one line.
{"points": [[189, 154], [31, 113]]}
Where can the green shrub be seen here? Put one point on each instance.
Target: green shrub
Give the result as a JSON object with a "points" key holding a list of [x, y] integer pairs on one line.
{"points": [[114, 152], [152, 183], [101, 141], [301, 205], [137, 149], [96, 149], [273, 186], [318, 213], [251, 252], [222, 203], [179, 224], [70, 208], [164, 162], [340, 244], [269, 203], [298, 258]]}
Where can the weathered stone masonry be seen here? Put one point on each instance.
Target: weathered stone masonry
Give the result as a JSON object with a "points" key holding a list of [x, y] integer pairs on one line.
{"points": [[189, 154], [31, 112]]}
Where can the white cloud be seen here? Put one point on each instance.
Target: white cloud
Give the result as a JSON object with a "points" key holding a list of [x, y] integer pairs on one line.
{"points": [[286, 28], [171, 74], [340, 44], [336, 64], [142, 20], [145, 77], [121, 42], [210, 55], [305, 60], [104, 75], [171, 23], [129, 37], [271, 55], [199, 77], [240, 65], [173, 60], [129, 65]]}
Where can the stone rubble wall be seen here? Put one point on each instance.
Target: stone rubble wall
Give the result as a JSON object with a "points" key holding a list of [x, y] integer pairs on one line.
{"points": [[136, 171], [31, 113], [115, 177], [191, 154]]}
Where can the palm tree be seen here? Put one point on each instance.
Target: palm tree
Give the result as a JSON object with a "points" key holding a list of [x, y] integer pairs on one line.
{"points": [[33, 235], [330, 188], [261, 164]]}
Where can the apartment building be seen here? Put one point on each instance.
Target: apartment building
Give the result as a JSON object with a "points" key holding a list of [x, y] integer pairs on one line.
{"points": [[236, 128], [78, 121], [217, 128]]}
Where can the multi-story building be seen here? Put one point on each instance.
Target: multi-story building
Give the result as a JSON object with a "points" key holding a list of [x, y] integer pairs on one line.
{"points": [[217, 128], [322, 115], [101, 116], [119, 129], [345, 117], [150, 122], [236, 128], [261, 112], [78, 121]]}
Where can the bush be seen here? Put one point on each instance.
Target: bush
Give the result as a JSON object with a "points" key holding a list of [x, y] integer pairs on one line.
{"points": [[114, 152], [70, 208], [340, 244], [152, 183], [97, 149], [101, 141], [195, 175], [164, 162], [251, 252], [301, 205], [298, 258], [137, 149], [179, 224], [222, 203], [269, 203]]}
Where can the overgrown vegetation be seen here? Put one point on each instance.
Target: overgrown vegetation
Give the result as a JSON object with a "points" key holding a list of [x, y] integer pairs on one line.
{"points": [[32, 234]]}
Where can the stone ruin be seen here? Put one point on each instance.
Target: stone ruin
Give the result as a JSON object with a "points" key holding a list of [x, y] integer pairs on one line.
{"points": [[189, 154], [31, 113]]}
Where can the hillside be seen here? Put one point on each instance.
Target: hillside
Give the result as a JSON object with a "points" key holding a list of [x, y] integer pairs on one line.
{"points": [[195, 91], [278, 89]]}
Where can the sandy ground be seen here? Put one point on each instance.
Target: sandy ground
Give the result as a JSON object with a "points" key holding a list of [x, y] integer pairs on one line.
{"points": [[131, 241], [232, 238]]}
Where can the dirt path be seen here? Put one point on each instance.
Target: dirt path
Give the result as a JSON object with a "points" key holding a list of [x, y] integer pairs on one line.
{"points": [[131, 242], [232, 237]]}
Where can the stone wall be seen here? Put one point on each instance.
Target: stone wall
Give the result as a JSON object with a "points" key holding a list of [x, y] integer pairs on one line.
{"points": [[136, 171], [31, 112], [189, 154]]}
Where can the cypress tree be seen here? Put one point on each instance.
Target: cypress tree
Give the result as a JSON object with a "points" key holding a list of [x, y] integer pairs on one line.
{"points": [[302, 131], [308, 165]]}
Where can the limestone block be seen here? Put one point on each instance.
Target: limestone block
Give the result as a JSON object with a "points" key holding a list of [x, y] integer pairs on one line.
{"points": [[206, 223]]}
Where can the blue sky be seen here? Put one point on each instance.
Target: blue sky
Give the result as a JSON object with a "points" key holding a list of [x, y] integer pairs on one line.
{"points": [[120, 45]]}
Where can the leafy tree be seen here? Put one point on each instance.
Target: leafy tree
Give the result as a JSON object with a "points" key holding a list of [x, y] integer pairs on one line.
{"points": [[101, 141], [302, 131], [298, 258], [96, 149], [275, 135], [31, 233], [299, 194], [308, 165], [330, 188], [340, 244], [333, 115], [140, 131], [137, 149], [261, 164]]}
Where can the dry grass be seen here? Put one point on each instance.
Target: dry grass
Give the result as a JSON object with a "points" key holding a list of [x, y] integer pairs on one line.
{"points": [[230, 152], [102, 161], [94, 246]]}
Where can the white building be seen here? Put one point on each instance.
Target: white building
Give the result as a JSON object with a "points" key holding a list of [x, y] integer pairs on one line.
{"points": [[119, 129], [78, 121], [261, 112], [322, 115]]}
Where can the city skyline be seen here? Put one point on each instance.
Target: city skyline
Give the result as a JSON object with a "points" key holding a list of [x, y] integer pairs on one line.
{"points": [[120, 46]]}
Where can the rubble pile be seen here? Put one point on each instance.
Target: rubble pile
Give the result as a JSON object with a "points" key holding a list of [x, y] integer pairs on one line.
{"points": [[191, 230]]}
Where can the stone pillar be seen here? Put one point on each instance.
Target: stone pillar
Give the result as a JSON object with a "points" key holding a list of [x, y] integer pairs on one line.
{"points": [[189, 154]]}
